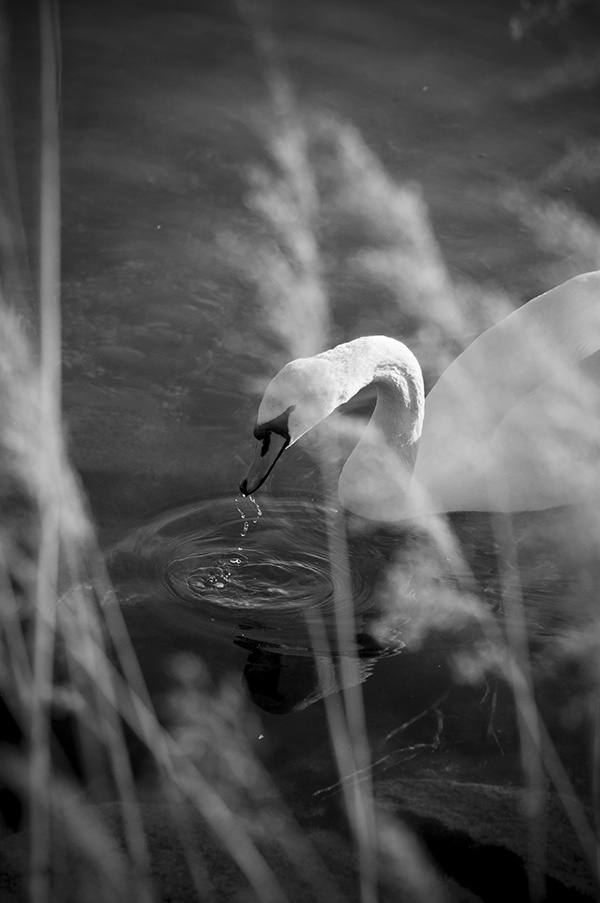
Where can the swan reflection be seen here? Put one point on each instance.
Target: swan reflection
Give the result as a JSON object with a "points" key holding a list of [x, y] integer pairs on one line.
{"points": [[282, 683]]}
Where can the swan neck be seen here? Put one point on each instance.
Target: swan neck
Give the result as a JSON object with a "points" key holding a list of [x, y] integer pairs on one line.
{"points": [[375, 479]]}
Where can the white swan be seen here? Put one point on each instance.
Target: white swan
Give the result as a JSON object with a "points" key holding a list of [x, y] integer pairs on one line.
{"points": [[512, 424]]}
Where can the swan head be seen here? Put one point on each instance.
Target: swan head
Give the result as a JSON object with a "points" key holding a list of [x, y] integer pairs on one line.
{"points": [[302, 394]]}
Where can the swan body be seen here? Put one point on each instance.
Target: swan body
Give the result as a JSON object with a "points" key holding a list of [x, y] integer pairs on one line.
{"points": [[512, 424]]}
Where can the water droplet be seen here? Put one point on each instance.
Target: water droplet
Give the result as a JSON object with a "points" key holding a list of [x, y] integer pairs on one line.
{"points": [[248, 518]]}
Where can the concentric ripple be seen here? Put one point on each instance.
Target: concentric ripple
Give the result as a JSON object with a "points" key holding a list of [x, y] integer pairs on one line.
{"points": [[269, 563], [253, 574]]}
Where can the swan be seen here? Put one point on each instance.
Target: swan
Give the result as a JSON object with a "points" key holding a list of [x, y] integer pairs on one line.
{"points": [[513, 424]]}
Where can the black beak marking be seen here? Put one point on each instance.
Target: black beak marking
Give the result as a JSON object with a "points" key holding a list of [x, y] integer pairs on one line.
{"points": [[279, 425]]}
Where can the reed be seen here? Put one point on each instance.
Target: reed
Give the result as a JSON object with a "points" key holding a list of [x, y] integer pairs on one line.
{"points": [[65, 650], [66, 653], [286, 196]]}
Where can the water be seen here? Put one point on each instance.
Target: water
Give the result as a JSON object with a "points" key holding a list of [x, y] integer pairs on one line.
{"points": [[166, 347], [257, 581]]}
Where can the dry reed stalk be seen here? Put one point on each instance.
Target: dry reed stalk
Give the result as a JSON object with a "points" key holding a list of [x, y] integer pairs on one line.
{"points": [[64, 638], [297, 309]]}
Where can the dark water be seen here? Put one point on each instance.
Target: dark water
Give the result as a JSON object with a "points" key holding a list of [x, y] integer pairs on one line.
{"points": [[224, 574], [165, 344]]}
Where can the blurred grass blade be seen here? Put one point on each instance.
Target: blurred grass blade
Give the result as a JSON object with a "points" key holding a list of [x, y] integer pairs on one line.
{"points": [[49, 300]]}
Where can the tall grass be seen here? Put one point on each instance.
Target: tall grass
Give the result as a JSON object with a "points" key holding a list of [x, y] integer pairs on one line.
{"points": [[286, 196], [65, 650], [66, 655]]}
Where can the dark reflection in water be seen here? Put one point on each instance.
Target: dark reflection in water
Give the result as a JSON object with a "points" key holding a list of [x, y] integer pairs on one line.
{"points": [[282, 683], [221, 582], [258, 579], [246, 592]]}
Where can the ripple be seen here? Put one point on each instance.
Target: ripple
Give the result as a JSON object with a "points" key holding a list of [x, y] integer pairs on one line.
{"points": [[256, 576], [276, 563]]}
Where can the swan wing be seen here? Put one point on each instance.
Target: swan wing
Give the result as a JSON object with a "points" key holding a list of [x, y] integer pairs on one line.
{"points": [[546, 451], [517, 411]]}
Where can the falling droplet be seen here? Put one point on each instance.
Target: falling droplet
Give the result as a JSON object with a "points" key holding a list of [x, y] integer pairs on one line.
{"points": [[248, 518]]}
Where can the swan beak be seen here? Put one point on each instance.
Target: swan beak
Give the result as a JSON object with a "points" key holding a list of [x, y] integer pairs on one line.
{"points": [[267, 454]]}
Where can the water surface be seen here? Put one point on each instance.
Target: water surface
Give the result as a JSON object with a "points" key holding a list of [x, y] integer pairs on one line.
{"points": [[166, 346]]}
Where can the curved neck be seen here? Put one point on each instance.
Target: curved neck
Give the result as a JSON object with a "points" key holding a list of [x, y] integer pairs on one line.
{"points": [[375, 478]]}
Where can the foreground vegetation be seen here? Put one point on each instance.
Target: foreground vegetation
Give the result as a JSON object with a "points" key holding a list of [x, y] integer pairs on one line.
{"points": [[76, 710]]}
